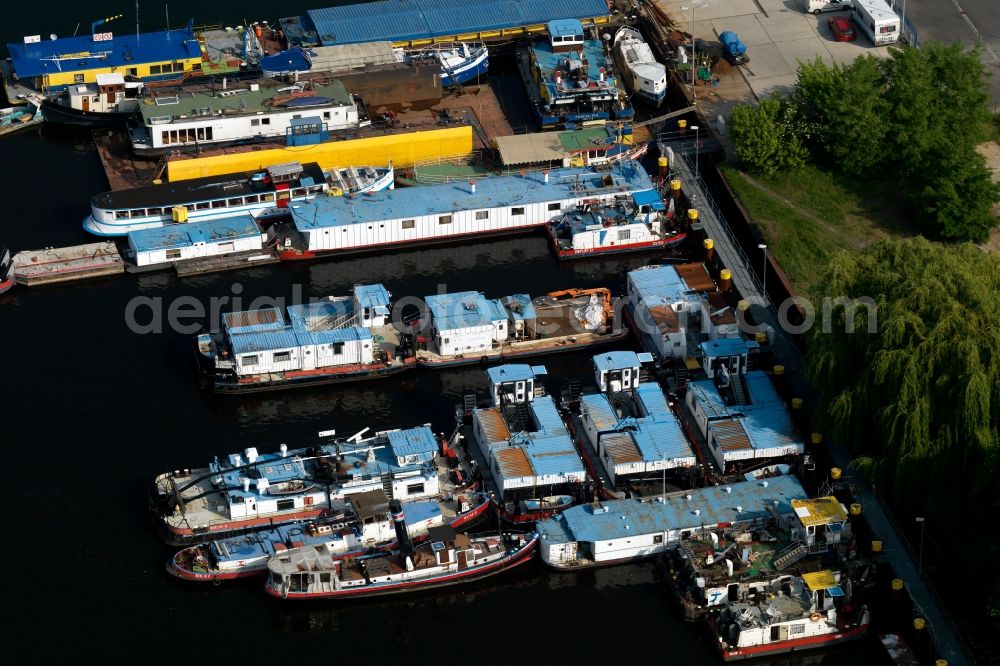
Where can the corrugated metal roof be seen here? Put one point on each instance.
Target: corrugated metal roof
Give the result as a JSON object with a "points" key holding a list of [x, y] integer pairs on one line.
{"points": [[565, 28], [695, 276], [511, 372], [412, 441], [665, 319], [512, 462], [653, 402], [819, 580], [372, 295], [446, 198], [401, 20], [616, 360], [657, 285], [464, 309], [243, 343], [730, 435], [253, 321], [186, 235], [820, 511], [546, 415], [621, 447], [554, 455], [633, 517], [600, 412], [662, 441], [493, 426], [723, 347]]}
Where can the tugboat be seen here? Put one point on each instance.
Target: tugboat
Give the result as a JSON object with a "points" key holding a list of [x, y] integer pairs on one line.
{"points": [[460, 62], [466, 328], [248, 491], [792, 614], [108, 102], [614, 228], [446, 558], [362, 528], [643, 75], [327, 342]]}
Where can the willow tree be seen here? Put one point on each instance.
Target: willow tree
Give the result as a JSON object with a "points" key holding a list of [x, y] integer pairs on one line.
{"points": [[918, 398]]}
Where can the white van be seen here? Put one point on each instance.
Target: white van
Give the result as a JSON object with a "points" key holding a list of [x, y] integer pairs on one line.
{"points": [[876, 19], [817, 6]]}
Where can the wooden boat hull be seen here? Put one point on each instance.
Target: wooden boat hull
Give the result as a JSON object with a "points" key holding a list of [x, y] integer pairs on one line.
{"points": [[63, 115]]}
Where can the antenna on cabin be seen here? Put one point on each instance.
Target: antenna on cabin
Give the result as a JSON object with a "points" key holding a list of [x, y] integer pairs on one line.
{"points": [[166, 8], [137, 22]]}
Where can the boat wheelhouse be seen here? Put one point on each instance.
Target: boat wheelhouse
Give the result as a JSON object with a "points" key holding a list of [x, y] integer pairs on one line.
{"points": [[259, 193], [460, 62], [617, 227], [643, 76], [451, 211], [107, 102], [628, 425], [162, 247], [467, 327], [738, 411], [362, 526], [617, 531], [259, 112], [570, 79], [249, 491], [790, 614], [329, 341], [446, 558]]}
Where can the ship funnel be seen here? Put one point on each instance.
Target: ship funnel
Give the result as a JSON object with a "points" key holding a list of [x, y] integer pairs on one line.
{"points": [[284, 450], [399, 522]]}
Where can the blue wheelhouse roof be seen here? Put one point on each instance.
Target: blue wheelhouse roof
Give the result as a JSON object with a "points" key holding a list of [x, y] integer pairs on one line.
{"points": [[173, 236], [649, 198]]}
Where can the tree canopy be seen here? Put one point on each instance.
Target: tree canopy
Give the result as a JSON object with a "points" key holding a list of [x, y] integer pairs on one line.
{"points": [[919, 400], [912, 119]]}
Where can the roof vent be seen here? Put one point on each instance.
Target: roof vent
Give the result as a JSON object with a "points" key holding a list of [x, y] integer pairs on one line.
{"points": [[739, 509], [697, 512], [729, 489], [284, 451], [688, 497], [763, 484]]}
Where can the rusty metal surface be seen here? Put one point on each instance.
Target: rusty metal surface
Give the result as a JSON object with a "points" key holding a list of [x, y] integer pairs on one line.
{"points": [[731, 435], [696, 277], [621, 448], [513, 462]]}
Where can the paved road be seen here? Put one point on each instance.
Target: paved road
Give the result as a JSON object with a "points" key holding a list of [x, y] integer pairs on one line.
{"points": [[943, 20]]}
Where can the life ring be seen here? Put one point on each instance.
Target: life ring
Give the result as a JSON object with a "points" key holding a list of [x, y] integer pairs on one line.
{"points": [[815, 617]]}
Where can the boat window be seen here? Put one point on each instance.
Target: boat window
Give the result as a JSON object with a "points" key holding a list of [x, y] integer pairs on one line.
{"points": [[221, 203], [415, 489], [227, 247], [798, 629], [132, 71], [482, 214], [282, 357], [338, 347], [174, 254], [444, 219], [235, 202], [554, 206], [316, 188], [154, 70], [265, 121], [408, 224], [326, 115], [286, 504], [253, 198], [657, 538], [155, 211], [624, 234], [517, 211], [255, 122], [249, 360], [267, 197], [299, 192], [324, 578], [78, 78], [173, 136], [138, 212], [121, 214], [202, 205], [201, 133]]}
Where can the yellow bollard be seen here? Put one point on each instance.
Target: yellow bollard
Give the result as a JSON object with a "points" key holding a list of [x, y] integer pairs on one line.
{"points": [[796, 403], [817, 438], [835, 473], [726, 280], [918, 623], [779, 370], [877, 548], [855, 509], [897, 583]]}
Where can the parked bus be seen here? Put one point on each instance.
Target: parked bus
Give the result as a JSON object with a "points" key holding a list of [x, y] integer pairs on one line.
{"points": [[877, 20], [817, 6]]}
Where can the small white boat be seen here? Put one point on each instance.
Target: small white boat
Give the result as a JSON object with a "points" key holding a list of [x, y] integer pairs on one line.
{"points": [[460, 61], [16, 118], [643, 75]]}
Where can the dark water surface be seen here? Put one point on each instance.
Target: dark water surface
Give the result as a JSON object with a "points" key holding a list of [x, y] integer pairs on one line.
{"points": [[92, 412]]}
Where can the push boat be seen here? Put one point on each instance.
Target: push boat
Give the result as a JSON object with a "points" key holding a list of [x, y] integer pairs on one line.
{"points": [[643, 76], [794, 613], [535, 508], [445, 558], [16, 118], [615, 227], [362, 527], [460, 62], [6, 270], [258, 193], [248, 491], [466, 328], [569, 79], [330, 341], [108, 102]]}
